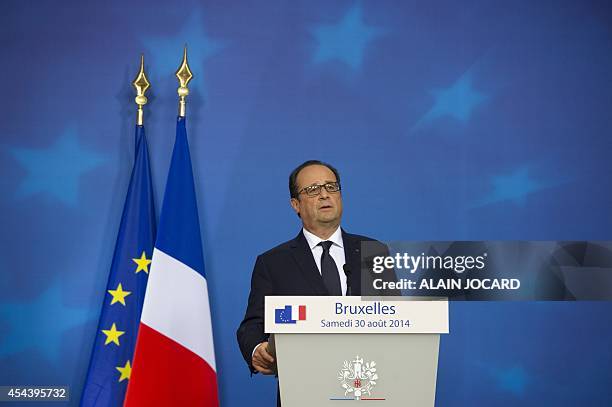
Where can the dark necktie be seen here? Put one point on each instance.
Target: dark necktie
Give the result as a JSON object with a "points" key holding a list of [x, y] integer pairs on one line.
{"points": [[329, 270]]}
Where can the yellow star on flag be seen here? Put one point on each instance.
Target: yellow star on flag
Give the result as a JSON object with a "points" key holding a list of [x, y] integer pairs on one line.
{"points": [[119, 295], [143, 263], [126, 371], [112, 335]]}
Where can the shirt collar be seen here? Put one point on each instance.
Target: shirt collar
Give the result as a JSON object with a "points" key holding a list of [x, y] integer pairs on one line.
{"points": [[313, 240]]}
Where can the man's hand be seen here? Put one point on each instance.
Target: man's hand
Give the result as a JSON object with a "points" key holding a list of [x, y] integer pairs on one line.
{"points": [[262, 361]]}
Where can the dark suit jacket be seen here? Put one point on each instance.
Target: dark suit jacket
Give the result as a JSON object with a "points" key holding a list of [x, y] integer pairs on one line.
{"points": [[290, 269]]}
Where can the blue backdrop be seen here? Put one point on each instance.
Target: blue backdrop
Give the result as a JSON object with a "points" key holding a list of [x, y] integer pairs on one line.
{"points": [[448, 120]]}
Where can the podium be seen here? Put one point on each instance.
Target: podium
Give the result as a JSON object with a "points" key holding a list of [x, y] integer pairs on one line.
{"points": [[334, 350]]}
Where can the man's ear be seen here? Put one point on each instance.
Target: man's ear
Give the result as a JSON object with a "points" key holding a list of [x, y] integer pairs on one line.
{"points": [[295, 204]]}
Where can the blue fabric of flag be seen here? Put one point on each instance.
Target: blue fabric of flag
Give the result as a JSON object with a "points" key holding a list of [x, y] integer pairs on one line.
{"points": [[108, 373], [179, 224]]}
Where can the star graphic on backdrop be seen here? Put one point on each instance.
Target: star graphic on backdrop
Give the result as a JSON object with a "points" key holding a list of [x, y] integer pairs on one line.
{"points": [[514, 187], [143, 263], [119, 295], [126, 371], [166, 52], [513, 380], [346, 40], [112, 335], [57, 169], [457, 101], [40, 323]]}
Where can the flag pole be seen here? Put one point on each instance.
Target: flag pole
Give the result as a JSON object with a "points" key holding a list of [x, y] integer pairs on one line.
{"points": [[141, 83], [184, 75]]}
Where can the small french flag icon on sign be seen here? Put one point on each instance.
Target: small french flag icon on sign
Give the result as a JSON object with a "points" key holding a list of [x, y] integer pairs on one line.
{"points": [[298, 313], [302, 313]]}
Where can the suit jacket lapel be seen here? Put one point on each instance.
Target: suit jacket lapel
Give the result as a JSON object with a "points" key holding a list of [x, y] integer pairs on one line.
{"points": [[352, 255], [303, 256]]}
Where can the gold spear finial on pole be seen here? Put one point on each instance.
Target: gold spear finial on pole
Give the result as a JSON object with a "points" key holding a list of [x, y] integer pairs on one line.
{"points": [[184, 75], [141, 84]]}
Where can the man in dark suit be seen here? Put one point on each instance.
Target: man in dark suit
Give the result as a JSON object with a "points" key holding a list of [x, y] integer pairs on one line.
{"points": [[313, 263]]}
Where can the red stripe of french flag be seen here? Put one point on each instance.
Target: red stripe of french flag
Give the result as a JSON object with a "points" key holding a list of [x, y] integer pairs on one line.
{"points": [[302, 313]]}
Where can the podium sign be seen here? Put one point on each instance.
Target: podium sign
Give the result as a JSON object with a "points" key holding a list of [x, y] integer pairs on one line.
{"points": [[334, 350]]}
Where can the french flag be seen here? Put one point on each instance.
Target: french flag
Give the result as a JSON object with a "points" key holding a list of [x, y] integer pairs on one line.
{"points": [[299, 313], [174, 360]]}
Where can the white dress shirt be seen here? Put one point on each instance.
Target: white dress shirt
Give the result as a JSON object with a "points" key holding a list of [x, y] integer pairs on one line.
{"points": [[336, 251]]}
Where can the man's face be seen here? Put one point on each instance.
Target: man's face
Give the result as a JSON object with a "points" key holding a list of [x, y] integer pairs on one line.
{"points": [[323, 210]]}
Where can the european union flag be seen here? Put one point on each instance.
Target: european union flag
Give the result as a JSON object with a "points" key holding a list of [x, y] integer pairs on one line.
{"points": [[283, 315], [111, 358]]}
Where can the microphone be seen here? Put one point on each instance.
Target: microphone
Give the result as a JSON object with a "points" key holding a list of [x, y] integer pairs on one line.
{"points": [[347, 273]]}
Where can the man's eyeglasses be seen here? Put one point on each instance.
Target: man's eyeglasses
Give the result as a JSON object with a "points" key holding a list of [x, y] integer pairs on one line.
{"points": [[314, 190]]}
